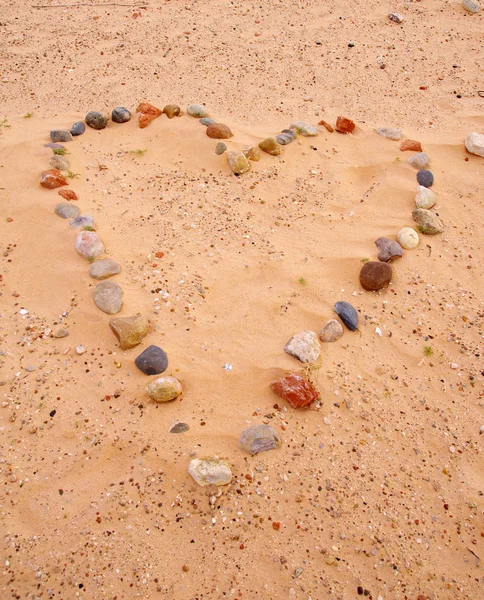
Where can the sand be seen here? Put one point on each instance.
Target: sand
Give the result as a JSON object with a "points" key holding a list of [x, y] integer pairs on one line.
{"points": [[380, 484]]}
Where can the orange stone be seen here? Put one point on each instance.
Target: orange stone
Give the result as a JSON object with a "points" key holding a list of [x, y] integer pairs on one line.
{"points": [[68, 194], [327, 125], [52, 179], [411, 145], [219, 131], [344, 125], [148, 113], [295, 389], [160, 254]]}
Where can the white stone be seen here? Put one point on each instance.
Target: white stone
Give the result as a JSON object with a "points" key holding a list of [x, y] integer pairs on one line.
{"points": [[408, 238], [304, 346], [425, 198], [210, 471], [475, 143], [389, 132], [304, 128]]}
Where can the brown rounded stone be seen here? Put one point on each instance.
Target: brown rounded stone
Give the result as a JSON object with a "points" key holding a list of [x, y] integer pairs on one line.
{"points": [[219, 131], [375, 275], [270, 146]]}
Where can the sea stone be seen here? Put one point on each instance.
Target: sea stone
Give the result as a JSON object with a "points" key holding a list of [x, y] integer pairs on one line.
{"points": [[197, 110], [389, 249], [78, 128], [130, 331], [171, 110], [52, 179], [295, 390], [237, 162], [120, 114], [179, 428], [408, 238], [304, 346], [326, 125], [66, 211], [411, 145], [207, 121], [164, 389], [347, 313], [427, 221], [108, 296], [89, 244], [425, 178], [96, 120], [285, 138], [425, 198], [270, 146], [104, 268], [219, 131], [375, 275], [152, 361], [210, 471], [148, 113], [475, 143], [389, 132], [304, 128], [395, 17], [259, 438], [419, 160], [331, 332], [59, 162], [68, 194], [344, 125], [471, 6], [252, 153], [60, 135], [61, 333], [220, 148], [84, 221]]}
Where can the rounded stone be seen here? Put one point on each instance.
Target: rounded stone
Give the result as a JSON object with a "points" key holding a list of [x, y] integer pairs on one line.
{"points": [[130, 331], [120, 114], [347, 313], [89, 244], [408, 238], [104, 268], [304, 128], [270, 146], [219, 131], [238, 162], [108, 296], [60, 135], [425, 198], [164, 389], [252, 153], [419, 160], [425, 178], [220, 148], [471, 6], [83, 221], [78, 128], [152, 361], [67, 211], [375, 275], [179, 428], [259, 438], [197, 110], [331, 332], [210, 471], [171, 110], [207, 121], [59, 162], [96, 120]]}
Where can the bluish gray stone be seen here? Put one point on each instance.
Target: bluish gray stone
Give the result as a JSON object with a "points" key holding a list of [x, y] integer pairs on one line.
{"points": [[425, 178], [152, 361], [120, 115], [347, 313], [96, 120], [78, 128]]}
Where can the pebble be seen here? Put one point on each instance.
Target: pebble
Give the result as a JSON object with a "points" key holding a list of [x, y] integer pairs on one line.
{"points": [[395, 17], [179, 428], [304, 128], [84, 221], [52, 179], [96, 120], [326, 125], [78, 128], [80, 350], [285, 138], [54, 146], [252, 153], [66, 211], [207, 121], [61, 333], [60, 135], [304, 346], [427, 221], [295, 390], [130, 331], [331, 332], [197, 110], [164, 389], [425, 178], [237, 162], [389, 132], [474, 143], [344, 125], [210, 471], [104, 268], [270, 146], [68, 194], [120, 114], [419, 160], [425, 198], [59, 162], [148, 113], [411, 145], [471, 6], [348, 314], [219, 131], [408, 238], [259, 438], [220, 148], [375, 275], [152, 361], [172, 110], [89, 244], [389, 249], [107, 295]]}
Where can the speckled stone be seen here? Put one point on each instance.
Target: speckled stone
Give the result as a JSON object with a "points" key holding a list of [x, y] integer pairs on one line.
{"points": [[419, 161], [104, 268], [474, 143], [471, 6], [210, 471], [207, 121], [59, 162], [304, 129], [259, 438], [66, 211], [270, 146], [304, 346], [89, 244], [164, 389], [425, 198], [96, 120], [252, 153], [238, 162], [120, 114], [389, 132], [83, 221], [375, 275], [78, 128], [331, 332], [388, 249], [220, 148], [427, 221], [408, 238], [108, 296]]}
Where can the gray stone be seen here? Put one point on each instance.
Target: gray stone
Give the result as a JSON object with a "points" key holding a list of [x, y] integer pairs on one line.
{"points": [[152, 361], [259, 438], [331, 332], [197, 110], [179, 428], [164, 389], [108, 296], [210, 471], [66, 211], [304, 128], [120, 115], [304, 346], [96, 120], [78, 128], [220, 148], [59, 162], [389, 249], [60, 135], [419, 160], [54, 146], [104, 268], [286, 137], [389, 132], [471, 6], [475, 143], [427, 221], [207, 121], [84, 221], [425, 178], [347, 313]]}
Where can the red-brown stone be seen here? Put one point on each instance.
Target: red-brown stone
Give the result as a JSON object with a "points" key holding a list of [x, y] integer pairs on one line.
{"points": [[326, 125], [219, 131], [295, 389], [148, 113], [52, 179], [411, 145], [68, 194], [344, 125]]}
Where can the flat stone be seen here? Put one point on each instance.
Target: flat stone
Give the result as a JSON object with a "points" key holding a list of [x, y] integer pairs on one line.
{"points": [[96, 120], [427, 221], [52, 179], [375, 275], [172, 110], [331, 332], [78, 128], [411, 145], [237, 162], [104, 268], [68, 194], [270, 146], [425, 178], [344, 125], [220, 148], [219, 131], [164, 389], [419, 160], [252, 153], [197, 110], [408, 238], [207, 121], [425, 198], [285, 138], [152, 361], [66, 211], [295, 390], [304, 346], [89, 244], [130, 331], [303, 128], [83, 222], [179, 428], [148, 113], [61, 333], [60, 135], [474, 143], [348, 314], [120, 114], [259, 438], [388, 249], [210, 470], [107, 295], [471, 6], [54, 146], [390, 133], [59, 162]]}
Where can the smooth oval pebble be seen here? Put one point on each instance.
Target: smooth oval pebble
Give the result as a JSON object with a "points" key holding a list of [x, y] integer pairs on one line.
{"points": [[120, 114], [259, 438], [408, 238], [207, 121], [471, 6], [60, 135], [425, 198], [89, 244], [375, 275], [104, 268], [152, 361], [78, 128], [425, 178], [108, 296], [84, 221], [219, 131], [270, 146], [67, 211], [197, 110], [164, 389], [331, 332], [419, 160], [179, 428], [210, 470], [220, 148], [96, 120], [347, 313]]}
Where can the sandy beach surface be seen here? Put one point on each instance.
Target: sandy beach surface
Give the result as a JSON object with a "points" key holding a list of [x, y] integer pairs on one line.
{"points": [[377, 488]]}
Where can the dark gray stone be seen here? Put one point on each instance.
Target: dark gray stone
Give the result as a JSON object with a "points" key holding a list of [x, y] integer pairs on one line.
{"points": [[96, 120], [425, 178], [347, 314], [120, 115], [78, 128], [179, 428], [152, 361]]}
